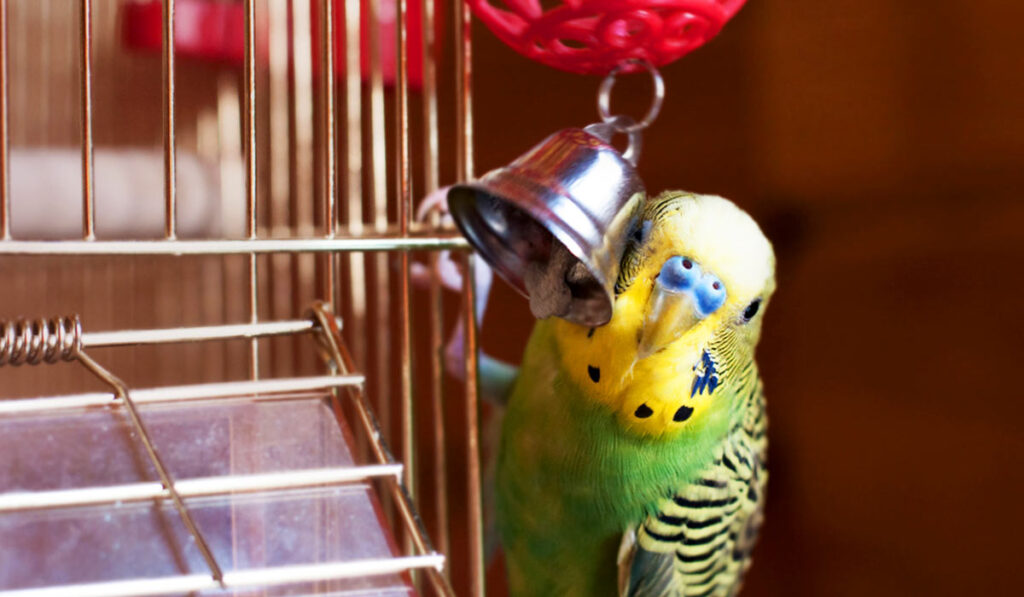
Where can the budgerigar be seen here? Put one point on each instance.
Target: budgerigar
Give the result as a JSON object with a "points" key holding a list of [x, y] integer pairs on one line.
{"points": [[632, 458]]}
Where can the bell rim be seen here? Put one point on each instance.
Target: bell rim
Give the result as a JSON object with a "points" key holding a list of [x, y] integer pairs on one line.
{"points": [[508, 270]]}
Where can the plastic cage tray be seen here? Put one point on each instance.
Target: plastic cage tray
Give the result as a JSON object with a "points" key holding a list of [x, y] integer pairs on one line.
{"points": [[312, 525]]}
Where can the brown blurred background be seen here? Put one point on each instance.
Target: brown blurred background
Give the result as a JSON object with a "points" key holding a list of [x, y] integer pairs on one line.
{"points": [[881, 146]]}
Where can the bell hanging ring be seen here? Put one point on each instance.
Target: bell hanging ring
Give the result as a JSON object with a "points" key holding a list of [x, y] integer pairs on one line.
{"points": [[554, 222]]}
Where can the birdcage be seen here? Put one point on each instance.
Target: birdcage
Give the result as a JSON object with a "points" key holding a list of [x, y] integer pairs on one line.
{"points": [[228, 382]]}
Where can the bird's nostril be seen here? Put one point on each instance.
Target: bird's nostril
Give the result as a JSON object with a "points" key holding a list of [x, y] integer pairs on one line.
{"points": [[710, 294], [679, 273]]}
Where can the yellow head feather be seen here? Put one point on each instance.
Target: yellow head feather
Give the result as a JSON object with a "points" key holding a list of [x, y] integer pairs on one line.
{"points": [[655, 395]]}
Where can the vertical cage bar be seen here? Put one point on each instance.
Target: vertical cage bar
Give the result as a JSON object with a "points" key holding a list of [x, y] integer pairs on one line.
{"points": [[430, 133], [464, 171], [249, 105], [330, 143], [5, 131], [403, 184], [250, 174], [379, 215], [463, 93], [473, 500], [430, 178], [170, 182], [88, 186], [354, 177]]}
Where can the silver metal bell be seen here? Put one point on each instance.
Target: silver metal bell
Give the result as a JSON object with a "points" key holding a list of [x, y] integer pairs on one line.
{"points": [[555, 221]]}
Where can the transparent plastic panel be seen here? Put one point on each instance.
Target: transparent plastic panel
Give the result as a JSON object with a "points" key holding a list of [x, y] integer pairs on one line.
{"points": [[82, 545], [71, 449], [67, 450], [147, 539]]}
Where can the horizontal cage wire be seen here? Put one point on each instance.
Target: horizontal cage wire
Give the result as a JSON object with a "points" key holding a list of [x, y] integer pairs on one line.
{"points": [[229, 219]]}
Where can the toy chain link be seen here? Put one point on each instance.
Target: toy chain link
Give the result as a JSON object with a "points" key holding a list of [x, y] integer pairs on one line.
{"points": [[40, 341], [612, 124], [604, 97]]}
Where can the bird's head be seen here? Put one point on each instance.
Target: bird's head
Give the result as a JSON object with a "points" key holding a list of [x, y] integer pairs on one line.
{"points": [[695, 279]]}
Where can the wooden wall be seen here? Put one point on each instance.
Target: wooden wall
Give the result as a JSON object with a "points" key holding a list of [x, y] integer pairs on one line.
{"points": [[881, 145]]}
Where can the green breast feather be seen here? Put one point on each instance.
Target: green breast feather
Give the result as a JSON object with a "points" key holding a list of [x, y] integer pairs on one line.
{"points": [[571, 481]]}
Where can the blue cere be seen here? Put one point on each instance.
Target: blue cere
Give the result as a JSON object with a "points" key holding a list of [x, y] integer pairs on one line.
{"points": [[710, 294], [679, 274]]}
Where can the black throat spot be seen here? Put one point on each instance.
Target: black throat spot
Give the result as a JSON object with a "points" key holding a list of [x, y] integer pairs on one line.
{"points": [[643, 411], [594, 373], [682, 414]]}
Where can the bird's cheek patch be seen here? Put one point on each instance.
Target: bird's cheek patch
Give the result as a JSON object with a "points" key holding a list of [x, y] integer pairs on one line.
{"points": [[705, 376]]}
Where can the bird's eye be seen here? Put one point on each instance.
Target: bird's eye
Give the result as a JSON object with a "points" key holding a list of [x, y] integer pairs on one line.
{"points": [[752, 309], [640, 232], [679, 273]]}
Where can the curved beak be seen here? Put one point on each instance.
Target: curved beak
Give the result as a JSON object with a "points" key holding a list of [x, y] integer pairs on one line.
{"points": [[669, 315]]}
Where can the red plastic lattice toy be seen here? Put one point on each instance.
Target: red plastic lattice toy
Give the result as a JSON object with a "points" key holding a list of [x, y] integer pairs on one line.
{"points": [[595, 36]]}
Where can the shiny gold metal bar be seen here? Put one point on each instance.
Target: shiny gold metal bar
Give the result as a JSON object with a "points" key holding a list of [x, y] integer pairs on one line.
{"points": [[231, 247], [403, 187], [170, 182], [195, 334], [225, 485], [475, 487], [240, 579], [403, 184], [249, 107], [463, 93], [280, 389], [464, 171], [430, 178], [250, 176], [430, 132], [330, 142], [88, 186], [440, 444], [5, 131]]}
